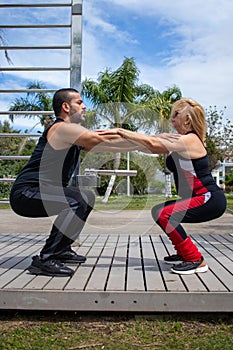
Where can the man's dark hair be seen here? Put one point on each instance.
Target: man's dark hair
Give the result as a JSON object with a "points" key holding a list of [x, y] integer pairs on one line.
{"points": [[60, 96]]}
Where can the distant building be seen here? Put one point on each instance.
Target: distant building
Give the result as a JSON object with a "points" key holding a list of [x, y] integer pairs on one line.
{"points": [[220, 172]]}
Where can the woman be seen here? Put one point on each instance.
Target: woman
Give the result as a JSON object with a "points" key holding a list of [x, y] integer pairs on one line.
{"points": [[201, 199]]}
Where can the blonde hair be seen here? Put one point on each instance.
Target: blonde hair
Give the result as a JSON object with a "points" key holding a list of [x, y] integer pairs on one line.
{"points": [[196, 113]]}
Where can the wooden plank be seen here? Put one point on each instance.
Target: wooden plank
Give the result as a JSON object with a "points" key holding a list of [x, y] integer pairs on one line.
{"points": [[228, 237], [98, 279], [209, 278], [15, 266], [225, 246], [16, 246], [172, 281], [6, 237], [134, 279], [38, 282], [225, 239], [215, 261], [218, 243], [117, 275], [13, 256], [21, 280], [152, 271], [116, 302], [84, 271], [8, 244], [221, 252], [9, 238]]}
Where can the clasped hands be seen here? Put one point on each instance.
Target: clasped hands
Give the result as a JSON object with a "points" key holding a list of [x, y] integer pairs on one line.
{"points": [[127, 134]]}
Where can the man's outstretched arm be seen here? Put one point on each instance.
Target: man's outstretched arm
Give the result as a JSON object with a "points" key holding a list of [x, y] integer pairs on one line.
{"points": [[65, 135]]}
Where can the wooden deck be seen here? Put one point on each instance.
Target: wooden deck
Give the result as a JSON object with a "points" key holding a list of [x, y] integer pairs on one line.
{"points": [[122, 273]]}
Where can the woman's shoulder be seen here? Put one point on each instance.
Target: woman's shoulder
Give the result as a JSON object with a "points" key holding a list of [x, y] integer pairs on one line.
{"points": [[193, 146], [191, 138]]}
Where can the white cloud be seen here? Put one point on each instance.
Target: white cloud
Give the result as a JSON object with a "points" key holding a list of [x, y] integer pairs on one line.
{"points": [[200, 58], [96, 23]]}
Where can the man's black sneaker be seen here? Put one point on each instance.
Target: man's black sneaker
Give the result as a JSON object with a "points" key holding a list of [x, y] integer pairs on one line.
{"points": [[49, 268], [70, 257], [190, 267], [173, 259]]}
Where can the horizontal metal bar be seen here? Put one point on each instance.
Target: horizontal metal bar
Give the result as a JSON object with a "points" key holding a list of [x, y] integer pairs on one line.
{"points": [[111, 172], [26, 90], [26, 112], [21, 26], [5, 202], [7, 69], [35, 5], [14, 157], [7, 179], [66, 47], [7, 134]]}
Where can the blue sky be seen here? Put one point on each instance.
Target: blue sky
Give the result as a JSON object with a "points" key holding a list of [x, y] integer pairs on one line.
{"points": [[183, 42]]}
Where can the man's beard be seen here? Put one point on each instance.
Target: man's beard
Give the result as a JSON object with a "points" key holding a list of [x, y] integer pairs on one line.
{"points": [[77, 118]]}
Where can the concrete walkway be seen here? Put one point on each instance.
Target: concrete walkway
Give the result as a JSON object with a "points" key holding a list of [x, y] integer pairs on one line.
{"points": [[107, 222]]}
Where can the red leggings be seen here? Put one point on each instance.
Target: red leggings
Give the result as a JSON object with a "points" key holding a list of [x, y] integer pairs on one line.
{"points": [[171, 214]]}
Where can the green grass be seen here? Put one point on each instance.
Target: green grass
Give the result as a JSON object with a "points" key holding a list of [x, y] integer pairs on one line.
{"points": [[116, 333], [140, 202], [134, 202], [229, 201], [129, 203]]}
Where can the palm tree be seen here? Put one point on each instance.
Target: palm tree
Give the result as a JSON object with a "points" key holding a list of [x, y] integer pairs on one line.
{"points": [[3, 42], [34, 101], [162, 103], [118, 102]]}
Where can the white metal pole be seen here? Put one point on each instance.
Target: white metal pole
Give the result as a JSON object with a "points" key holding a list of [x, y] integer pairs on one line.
{"points": [[76, 45], [128, 177]]}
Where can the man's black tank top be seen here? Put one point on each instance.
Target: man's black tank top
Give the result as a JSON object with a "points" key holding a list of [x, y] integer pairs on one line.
{"points": [[48, 165]]}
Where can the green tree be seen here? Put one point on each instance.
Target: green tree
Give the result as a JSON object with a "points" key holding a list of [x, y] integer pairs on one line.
{"points": [[120, 101], [219, 136], [117, 100], [34, 101], [229, 181], [12, 146], [162, 103]]}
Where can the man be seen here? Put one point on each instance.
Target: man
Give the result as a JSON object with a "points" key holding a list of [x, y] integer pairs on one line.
{"points": [[41, 188]]}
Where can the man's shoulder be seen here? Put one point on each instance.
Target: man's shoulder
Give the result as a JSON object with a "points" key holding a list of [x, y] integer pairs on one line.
{"points": [[63, 135]]}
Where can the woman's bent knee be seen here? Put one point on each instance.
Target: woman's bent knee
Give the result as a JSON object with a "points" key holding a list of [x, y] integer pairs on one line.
{"points": [[156, 211]]}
